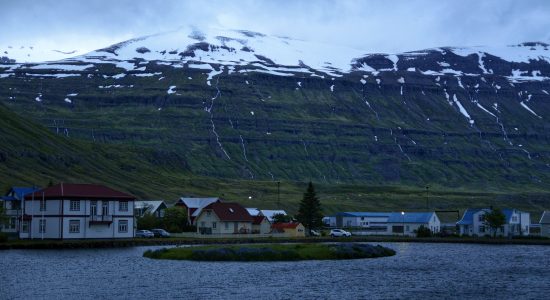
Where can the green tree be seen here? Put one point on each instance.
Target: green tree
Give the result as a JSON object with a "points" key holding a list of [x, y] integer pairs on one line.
{"points": [[281, 218], [175, 219], [494, 220], [3, 218], [309, 213], [148, 221]]}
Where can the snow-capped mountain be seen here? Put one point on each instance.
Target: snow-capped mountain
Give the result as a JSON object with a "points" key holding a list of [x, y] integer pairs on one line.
{"points": [[271, 107], [285, 56]]}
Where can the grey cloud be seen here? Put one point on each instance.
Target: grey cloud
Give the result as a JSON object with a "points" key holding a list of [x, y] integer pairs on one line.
{"points": [[375, 26]]}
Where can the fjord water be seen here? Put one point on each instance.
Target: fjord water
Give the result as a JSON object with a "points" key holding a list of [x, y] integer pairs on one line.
{"points": [[418, 271]]}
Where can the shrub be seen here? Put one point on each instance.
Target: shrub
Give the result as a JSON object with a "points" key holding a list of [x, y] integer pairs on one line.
{"points": [[3, 237], [423, 231]]}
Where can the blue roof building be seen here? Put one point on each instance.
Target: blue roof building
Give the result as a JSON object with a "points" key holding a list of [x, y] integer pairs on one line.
{"points": [[384, 223]]}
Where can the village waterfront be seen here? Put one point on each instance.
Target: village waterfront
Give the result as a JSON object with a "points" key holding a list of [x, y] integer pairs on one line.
{"points": [[418, 271]]}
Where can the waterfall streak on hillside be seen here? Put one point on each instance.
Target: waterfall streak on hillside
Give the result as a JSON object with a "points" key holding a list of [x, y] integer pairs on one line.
{"points": [[305, 147], [244, 148], [209, 110]]}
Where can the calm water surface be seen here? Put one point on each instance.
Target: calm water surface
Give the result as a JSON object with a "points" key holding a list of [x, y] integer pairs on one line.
{"points": [[418, 271]]}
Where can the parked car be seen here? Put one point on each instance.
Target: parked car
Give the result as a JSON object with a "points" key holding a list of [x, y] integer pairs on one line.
{"points": [[144, 234], [160, 232], [314, 233], [339, 232]]}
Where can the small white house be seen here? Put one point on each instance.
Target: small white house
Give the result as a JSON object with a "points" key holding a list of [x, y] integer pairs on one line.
{"points": [[12, 203], [193, 206], [472, 223], [407, 223], [77, 211], [154, 207]]}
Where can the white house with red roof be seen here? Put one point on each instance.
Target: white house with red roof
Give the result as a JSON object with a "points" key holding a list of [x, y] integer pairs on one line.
{"points": [[224, 218], [77, 211]]}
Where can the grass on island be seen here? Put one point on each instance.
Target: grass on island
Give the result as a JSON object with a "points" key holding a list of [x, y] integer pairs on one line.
{"points": [[272, 252]]}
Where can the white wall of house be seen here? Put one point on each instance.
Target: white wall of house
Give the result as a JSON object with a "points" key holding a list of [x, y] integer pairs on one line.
{"points": [[545, 230], [12, 212], [66, 219], [262, 228], [12, 217], [208, 219], [525, 221], [409, 229]]}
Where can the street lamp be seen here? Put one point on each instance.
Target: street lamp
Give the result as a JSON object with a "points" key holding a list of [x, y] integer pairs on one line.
{"points": [[403, 221]]}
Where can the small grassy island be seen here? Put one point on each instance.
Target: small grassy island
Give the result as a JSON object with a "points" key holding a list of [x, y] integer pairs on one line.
{"points": [[272, 252]]}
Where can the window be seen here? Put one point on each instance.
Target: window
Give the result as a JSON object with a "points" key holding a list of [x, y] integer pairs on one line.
{"points": [[208, 213], [105, 208], [123, 206], [123, 226], [11, 224], [74, 226], [93, 208], [42, 205], [25, 227], [407, 228], [42, 226], [214, 224], [75, 205], [482, 229], [480, 218], [514, 218], [203, 224], [226, 225]]}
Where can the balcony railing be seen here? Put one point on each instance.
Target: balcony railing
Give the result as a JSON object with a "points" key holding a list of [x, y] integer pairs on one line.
{"points": [[101, 218]]}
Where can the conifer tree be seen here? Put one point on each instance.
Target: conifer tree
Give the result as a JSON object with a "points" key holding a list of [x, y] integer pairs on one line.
{"points": [[309, 213]]}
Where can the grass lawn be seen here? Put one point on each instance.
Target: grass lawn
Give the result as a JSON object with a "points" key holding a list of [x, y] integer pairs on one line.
{"points": [[272, 252]]}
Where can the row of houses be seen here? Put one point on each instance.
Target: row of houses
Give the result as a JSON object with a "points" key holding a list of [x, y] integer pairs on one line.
{"points": [[81, 211], [215, 216], [517, 223]]}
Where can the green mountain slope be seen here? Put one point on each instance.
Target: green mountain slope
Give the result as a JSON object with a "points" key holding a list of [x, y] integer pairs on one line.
{"points": [[31, 154]]}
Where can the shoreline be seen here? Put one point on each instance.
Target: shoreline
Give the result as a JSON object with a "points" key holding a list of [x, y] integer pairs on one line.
{"points": [[123, 243]]}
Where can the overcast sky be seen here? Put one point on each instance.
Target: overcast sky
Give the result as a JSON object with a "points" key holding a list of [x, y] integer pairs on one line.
{"points": [[374, 26]]}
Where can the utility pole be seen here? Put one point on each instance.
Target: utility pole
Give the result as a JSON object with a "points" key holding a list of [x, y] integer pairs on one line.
{"points": [[427, 197], [278, 195]]}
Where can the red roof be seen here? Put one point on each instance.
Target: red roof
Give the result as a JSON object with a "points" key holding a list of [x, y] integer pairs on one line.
{"points": [[257, 220], [79, 191], [228, 211], [285, 225]]}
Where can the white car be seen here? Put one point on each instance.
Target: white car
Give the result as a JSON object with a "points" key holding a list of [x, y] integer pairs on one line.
{"points": [[144, 234], [314, 233], [339, 232]]}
